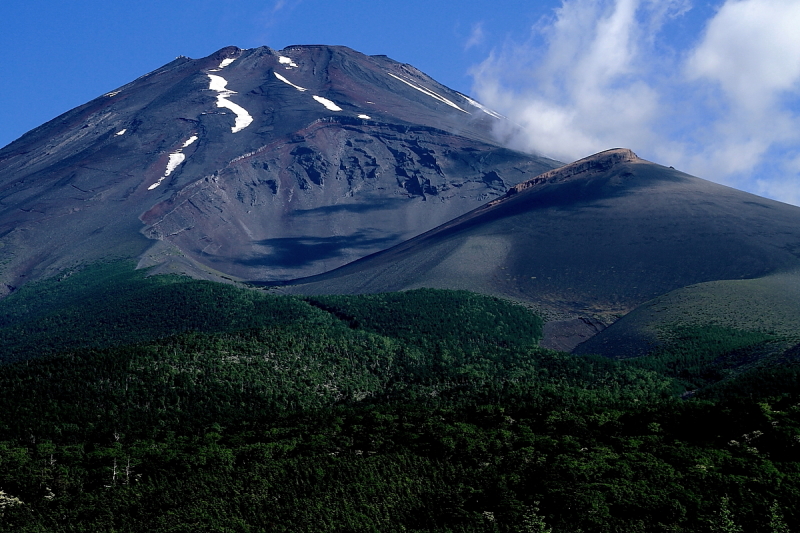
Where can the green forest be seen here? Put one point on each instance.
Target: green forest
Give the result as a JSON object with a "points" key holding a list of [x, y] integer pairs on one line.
{"points": [[131, 403]]}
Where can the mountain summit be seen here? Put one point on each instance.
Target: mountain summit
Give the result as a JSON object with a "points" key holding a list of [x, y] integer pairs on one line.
{"points": [[253, 164]]}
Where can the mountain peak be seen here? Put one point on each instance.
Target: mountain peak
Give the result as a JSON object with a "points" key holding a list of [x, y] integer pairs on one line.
{"points": [[250, 163], [597, 163]]}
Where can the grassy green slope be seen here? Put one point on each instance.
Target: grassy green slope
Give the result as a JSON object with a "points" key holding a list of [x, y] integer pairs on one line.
{"points": [[709, 332], [770, 304]]}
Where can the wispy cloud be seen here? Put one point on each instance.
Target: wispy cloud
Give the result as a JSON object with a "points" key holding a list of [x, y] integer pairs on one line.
{"points": [[603, 73], [476, 36], [580, 84], [279, 4], [749, 57], [274, 13]]}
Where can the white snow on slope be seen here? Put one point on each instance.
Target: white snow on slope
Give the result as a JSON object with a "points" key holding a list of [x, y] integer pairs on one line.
{"points": [[112, 93], [428, 92], [365, 116], [482, 107], [287, 61], [121, 132], [243, 118], [284, 80], [327, 103], [218, 83], [224, 63], [175, 159]]}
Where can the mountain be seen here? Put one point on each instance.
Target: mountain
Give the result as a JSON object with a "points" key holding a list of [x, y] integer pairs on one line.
{"points": [[589, 242], [419, 410], [252, 164], [328, 171]]}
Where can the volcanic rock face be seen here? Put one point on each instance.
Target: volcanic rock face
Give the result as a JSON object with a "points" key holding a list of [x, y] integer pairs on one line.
{"points": [[596, 164], [258, 164], [332, 194]]}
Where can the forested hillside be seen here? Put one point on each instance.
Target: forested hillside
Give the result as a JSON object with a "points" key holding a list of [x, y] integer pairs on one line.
{"points": [[132, 403]]}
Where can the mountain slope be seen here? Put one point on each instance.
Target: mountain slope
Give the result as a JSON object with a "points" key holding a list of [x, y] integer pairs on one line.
{"points": [[258, 164], [595, 238], [769, 304]]}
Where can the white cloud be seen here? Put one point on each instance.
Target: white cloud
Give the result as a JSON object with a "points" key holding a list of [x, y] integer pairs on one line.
{"points": [[582, 91], [602, 73], [476, 36], [749, 61], [751, 48]]}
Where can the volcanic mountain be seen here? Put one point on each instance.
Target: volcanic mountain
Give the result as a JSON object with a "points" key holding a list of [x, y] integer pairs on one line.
{"points": [[253, 164], [592, 241], [328, 171]]}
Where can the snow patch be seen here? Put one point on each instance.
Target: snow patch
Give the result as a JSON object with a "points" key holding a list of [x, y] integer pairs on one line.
{"points": [[218, 83], [327, 103], [283, 60], [175, 159], [243, 118], [121, 132], [482, 107], [367, 117], [284, 80], [428, 92], [112, 93], [226, 62]]}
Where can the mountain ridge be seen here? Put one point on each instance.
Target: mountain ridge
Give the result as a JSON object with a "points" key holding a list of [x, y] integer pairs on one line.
{"points": [[599, 162]]}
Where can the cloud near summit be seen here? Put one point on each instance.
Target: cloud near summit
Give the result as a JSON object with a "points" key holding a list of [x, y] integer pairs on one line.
{"points": [[721, 103]]}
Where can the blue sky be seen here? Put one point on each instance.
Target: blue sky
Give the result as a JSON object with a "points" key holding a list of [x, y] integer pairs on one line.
{"points": [[712, 88]]}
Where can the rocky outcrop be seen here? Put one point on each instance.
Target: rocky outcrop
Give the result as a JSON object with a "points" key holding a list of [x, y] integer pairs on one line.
{"points": [[332, 194], [598, 163]]}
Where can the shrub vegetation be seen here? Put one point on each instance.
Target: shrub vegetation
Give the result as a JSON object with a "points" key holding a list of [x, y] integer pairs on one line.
{"points": [[130, 404]]}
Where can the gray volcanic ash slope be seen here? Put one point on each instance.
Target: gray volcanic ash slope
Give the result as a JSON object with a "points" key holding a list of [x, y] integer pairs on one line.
{"points": [[594, 239], [256, 164]]}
